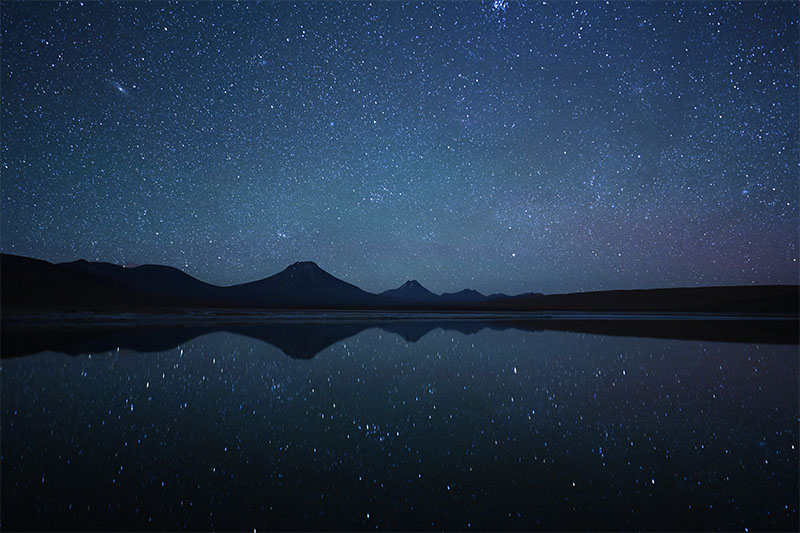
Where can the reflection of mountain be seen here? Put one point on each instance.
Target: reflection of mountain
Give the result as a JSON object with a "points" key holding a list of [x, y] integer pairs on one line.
{"points": [[299, 340], [305, 339], [412, 331]]}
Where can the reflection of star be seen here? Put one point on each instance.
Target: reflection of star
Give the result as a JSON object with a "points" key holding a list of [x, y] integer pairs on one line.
{"points": [[119, 87]]}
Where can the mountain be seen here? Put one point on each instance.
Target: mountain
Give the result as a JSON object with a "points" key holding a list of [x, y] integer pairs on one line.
{"points": [[164, 281], [81, 284], [466, 296], [34, 284], [302, 284], [28, 282], [411, 291], [497, 296]]}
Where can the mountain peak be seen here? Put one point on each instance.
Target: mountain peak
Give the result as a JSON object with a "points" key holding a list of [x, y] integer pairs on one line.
{"points": [[307, 271], [463, 296], [304, 265], [303, 283], [410, 290]]}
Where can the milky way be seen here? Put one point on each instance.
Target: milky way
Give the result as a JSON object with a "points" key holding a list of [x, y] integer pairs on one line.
{"points": [[499, 146]]}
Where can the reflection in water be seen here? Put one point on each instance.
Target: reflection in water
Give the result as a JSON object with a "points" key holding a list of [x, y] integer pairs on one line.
{"points": [[307, 337], [495, 430]]}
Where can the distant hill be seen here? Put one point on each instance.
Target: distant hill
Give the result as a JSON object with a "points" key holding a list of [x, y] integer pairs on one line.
{"points": [[727, 299], [79, 284], [466, 296], [153, 280], [31, 283], [411, 291]]}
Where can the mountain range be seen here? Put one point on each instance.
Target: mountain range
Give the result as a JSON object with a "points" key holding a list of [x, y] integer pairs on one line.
{"points": [[32, 283], [27, 281], [413, 292]]}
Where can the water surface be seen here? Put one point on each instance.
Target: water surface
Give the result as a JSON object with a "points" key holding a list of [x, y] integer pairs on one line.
{"points": [[499, 429]]}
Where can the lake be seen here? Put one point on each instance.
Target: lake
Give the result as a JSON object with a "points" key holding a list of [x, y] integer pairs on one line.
{"points": [[403, 425]]}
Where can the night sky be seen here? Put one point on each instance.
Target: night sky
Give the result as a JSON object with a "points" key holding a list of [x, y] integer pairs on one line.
{"points": [[498, 146]]}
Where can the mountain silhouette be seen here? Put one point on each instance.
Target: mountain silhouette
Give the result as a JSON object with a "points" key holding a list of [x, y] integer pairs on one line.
{"points": [[33, 283], [465, 296], [302, 284], [498, 296], [159, 280], [27, 283], [411, 291]]}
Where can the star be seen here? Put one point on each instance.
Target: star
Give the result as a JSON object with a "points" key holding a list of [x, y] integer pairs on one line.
{"points": [[391, 141]]}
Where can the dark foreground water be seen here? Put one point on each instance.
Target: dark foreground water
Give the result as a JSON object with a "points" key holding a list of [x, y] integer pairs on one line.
{"points": [[499, 430]]}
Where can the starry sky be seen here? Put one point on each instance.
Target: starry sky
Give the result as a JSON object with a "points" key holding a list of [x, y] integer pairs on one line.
{"points": [[501, 146]]}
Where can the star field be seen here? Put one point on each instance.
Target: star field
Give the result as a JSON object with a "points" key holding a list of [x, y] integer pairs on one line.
{"points": [[500, 146]]}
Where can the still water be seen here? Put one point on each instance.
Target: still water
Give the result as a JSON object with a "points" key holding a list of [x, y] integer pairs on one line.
{"points": [[443, 429]]}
